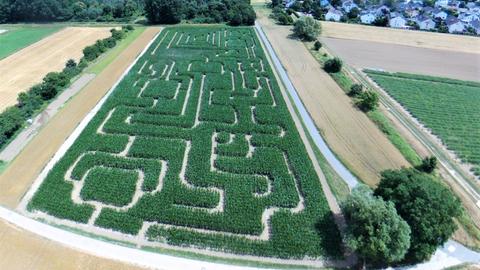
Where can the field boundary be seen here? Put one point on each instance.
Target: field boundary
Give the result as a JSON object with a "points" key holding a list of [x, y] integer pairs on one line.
{"points": [[22, 207]]}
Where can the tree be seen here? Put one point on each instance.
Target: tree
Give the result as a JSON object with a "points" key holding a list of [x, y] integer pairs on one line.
{"points": [[71, 64], [368, 101], [353, 13], [4, 11], [425, 204], [374, 229], [428, 164], [307, 28], [164, 11], [333, 65], [284, 19], [381, 21], [355, 90], [317, 45]]}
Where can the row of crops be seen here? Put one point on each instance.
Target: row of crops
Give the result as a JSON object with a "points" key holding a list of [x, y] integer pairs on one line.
{"points": [[449, 108], [196, 143]]}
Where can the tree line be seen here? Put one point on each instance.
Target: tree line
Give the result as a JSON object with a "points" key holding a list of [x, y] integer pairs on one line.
{"points": [[233, 12], [33, 101]]}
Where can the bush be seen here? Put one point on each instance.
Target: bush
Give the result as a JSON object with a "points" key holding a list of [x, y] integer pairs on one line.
{"points": [[425, 204], [333, 65], [356, 90], [117, 34], [368, 101], [317, 45], [307, 28], [429, 164]]}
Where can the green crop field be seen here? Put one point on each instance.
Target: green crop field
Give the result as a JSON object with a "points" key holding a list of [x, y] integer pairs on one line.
{"points": [[196, 147], [17, 38], [449, 108]]}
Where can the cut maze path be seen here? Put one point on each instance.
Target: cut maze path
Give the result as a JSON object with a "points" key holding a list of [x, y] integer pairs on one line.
{"points": [[200, 123]]}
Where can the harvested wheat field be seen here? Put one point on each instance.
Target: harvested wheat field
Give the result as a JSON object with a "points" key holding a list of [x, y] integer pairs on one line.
{"points": [[400, 58], [27, 67], [28, 251], [348, 131], [421, 39], [20, 174]]}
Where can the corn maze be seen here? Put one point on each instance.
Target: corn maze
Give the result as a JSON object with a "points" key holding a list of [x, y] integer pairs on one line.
{"points": [[195, 148]]}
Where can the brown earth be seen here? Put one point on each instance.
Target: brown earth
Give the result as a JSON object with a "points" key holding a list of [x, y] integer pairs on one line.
{"points": [[23, 170], [419, 39], [400, 58], [28, 66], [348, 131], [23, 250]]}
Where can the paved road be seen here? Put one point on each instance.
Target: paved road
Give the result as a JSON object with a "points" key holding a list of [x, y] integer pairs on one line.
{"points": [[341, 170], [15, 146]]}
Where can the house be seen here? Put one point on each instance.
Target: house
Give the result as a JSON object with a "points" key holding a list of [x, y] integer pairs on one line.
{"points": [[425, 23], [428, 10], [382, 10], [468, 17], [397, 21], [441, 3], [440, 14], [456, 26], [333, 15], [367, 17], [411, 12], [348, 5]]}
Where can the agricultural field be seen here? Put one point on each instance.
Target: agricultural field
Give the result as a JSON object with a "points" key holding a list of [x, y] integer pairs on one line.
{"points": [[449, 108], [17, 37], [194, 148], [28, 66]]}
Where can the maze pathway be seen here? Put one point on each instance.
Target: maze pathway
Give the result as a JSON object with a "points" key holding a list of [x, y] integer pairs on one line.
{"points": [[195, 147]]}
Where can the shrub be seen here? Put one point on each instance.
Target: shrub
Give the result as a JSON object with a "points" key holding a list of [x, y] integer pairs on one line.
{"points": [[428, 164], [368, 101], [333, 65], [307, 28], [356, 90], [317, 45]]}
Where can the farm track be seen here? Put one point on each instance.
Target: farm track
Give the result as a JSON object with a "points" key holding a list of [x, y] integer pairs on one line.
{"points": [[28, 66], [348, 131]]}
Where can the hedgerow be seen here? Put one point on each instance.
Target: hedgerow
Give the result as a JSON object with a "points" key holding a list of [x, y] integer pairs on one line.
{"points": [[214, 158]]}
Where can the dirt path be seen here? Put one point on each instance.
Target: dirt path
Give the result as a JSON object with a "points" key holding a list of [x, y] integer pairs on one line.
{"points": [[18, 177], [419, 39], [26, 250], [348, 131], [27, 67], [377, 55]]}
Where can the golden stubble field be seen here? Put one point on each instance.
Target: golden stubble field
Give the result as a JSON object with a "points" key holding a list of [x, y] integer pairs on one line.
{"points": [[28, 66]]}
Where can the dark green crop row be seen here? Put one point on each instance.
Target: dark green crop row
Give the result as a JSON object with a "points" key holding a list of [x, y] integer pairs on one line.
{"points": [[173, 124]]}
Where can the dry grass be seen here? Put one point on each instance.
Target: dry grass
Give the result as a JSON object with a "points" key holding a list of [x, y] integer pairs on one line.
{"points": [[27, 67]]}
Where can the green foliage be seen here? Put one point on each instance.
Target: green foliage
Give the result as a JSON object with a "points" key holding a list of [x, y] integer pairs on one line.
{"points": [[374, 229], [425, 204], [307, 28], [17, 38], [170, 135], [429, 164], [317, 45], [355, 90], [333, 65], [110, 186], [368, 101], [164, 11], [445, 106]]}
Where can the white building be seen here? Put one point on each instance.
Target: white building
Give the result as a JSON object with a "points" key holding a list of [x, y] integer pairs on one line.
{"points": [[426, 23], [397, 22], [441, 3], [333, 15], [367, 18], [440, 15]]}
